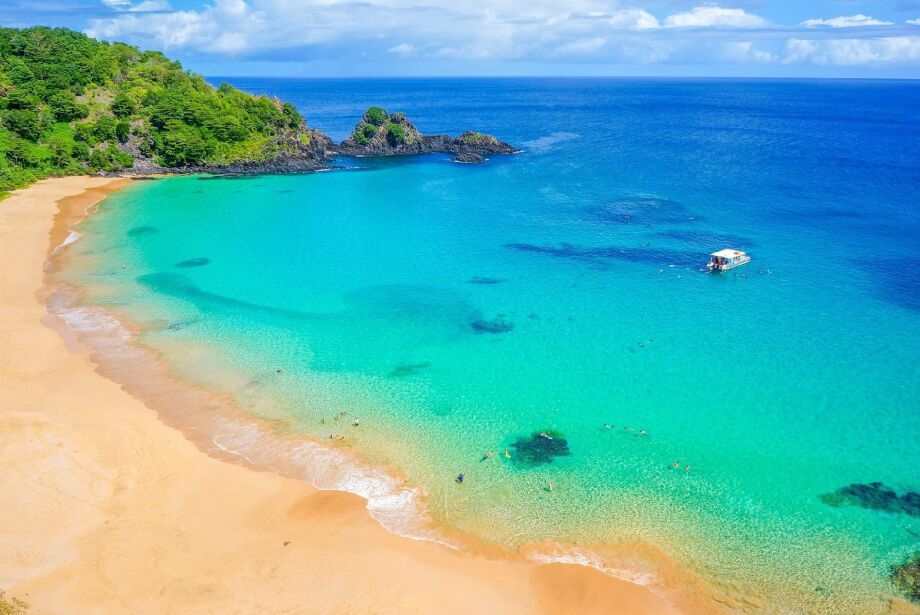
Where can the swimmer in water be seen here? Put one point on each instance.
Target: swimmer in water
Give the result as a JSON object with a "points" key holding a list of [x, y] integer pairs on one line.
{"points": [[545, 435], [687, 468], [642, 432], [460, 478], [627, 429], [549, 485], [357, 422], [608, 426], [507, 454], [676, 464]]}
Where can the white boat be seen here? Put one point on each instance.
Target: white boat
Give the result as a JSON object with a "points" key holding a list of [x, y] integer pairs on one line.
{"points": [[726, 259]]}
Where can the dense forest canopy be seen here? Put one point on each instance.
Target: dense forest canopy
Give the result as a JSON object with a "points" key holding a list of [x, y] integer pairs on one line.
{"points": [[70, 104]]}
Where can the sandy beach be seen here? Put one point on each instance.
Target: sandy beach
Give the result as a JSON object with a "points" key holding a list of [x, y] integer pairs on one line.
{"points": [[106, 509]]}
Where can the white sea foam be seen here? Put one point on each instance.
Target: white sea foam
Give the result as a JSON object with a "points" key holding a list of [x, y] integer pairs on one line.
{"points": [[72, 236], [546, 143], [580, 557], [397, 507]]}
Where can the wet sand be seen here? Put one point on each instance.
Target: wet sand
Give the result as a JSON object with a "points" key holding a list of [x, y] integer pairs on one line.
{"points": [[108, 509]]}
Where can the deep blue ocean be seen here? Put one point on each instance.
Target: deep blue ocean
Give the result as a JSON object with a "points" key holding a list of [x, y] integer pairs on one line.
{"points": [[364, 291]]}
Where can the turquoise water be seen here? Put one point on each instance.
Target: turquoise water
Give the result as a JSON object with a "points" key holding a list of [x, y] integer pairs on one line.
{"points": [[369, 288]]}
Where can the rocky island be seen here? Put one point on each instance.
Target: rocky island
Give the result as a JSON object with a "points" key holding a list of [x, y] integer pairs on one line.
{"points": [[392, 134]]}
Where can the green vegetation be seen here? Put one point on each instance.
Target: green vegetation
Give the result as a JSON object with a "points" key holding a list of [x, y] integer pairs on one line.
{"points": [[475, 138], [396, 134], [12, 605], [376, 116], [71, 105]]}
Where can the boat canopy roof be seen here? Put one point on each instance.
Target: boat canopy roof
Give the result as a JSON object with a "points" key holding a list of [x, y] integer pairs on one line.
{"points": [[727, 253]]}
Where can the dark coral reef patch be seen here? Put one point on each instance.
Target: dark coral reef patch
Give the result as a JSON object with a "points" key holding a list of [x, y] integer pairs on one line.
{"points": [[142, 231], [194, 262], [875, 496], [540, 448], [499, 324], [906, 577], [408, 369], [484, 280]]}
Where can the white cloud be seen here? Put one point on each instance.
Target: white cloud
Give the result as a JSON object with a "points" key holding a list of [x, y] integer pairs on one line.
{"points": [[403, 49], [150, 6], [849, 21], [484, 30], [715, 17], [582, 47], [854, 51], [145, 6], [633, 19], [915, 22], [743, 52]]}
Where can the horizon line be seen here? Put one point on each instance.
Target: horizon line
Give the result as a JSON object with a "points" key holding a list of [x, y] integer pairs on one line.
{"points": [[572, 77]]}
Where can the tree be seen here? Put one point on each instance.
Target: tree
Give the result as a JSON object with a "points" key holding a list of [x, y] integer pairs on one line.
{"points": [[123, 106], [65, 107], [376, 116], [122, 131]]}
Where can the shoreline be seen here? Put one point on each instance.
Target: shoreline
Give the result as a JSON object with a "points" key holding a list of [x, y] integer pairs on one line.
{"points": [[127, 515]]}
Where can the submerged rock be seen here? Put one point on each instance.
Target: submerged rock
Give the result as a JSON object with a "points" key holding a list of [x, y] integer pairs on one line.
{"points": [[143, 231], [484, 280], [194, 262], [499, 324], [906, 577], [409, 369], [541, 447], [392, 134], [875, 496]]}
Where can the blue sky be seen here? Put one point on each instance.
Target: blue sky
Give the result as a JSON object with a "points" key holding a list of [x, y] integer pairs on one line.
{"points": [[355, 38]]}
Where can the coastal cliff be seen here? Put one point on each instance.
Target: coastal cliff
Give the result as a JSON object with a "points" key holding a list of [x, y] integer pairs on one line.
{"points": [[72, 105], [392, 134]]}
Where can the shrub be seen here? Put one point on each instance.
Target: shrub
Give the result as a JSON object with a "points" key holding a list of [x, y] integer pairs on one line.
{"points": [[104, 128], [396, 134], [123, 106], [65, 107], [122, 130], [24, 122], [376, 116]]}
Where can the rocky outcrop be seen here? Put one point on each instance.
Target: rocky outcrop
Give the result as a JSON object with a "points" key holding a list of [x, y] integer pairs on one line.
{"points": [[392, 134], [291, 151]]}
